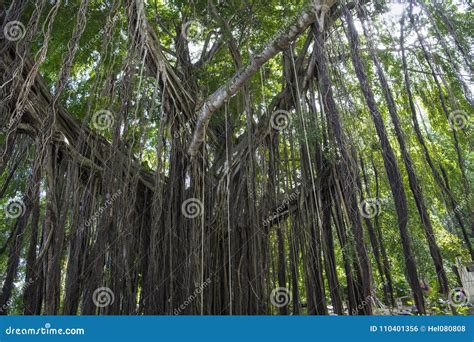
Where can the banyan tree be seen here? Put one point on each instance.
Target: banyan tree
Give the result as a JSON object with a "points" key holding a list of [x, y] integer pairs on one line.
{"points": [[235, 157]]}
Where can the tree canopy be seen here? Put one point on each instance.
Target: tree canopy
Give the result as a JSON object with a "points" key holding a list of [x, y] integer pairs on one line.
{"points": [[235, 157]]}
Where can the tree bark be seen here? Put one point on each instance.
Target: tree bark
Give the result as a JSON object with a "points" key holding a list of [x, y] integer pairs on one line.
{"points": [[276, 45], [407, 160], [391, 165]]}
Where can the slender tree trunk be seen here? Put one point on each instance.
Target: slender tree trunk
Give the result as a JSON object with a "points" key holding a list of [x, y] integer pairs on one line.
{"points": [[372, 236], [449, 195], [412, 177], [378, 230], [347, 175], [428, 58], [33, 272], [391, 165]]}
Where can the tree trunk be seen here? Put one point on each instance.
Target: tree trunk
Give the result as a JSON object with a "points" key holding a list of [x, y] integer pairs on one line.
{"points": [[391, 165], [412, 178]]}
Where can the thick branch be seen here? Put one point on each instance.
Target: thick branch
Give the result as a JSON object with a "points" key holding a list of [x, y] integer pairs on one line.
{"points": [[276, 45]]}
